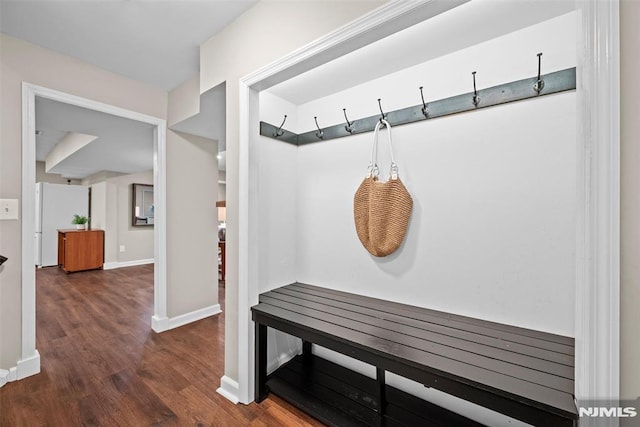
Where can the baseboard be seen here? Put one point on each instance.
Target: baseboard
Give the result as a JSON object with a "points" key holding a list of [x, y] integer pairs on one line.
{"points": [[28, 367], [175, 322], [4, 377], [229, 389], [167, 323], [24, 368], [159, 324], [114, 265]]}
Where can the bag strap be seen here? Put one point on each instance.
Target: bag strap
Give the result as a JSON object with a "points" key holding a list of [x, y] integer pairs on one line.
{"points": [[372, 169]]}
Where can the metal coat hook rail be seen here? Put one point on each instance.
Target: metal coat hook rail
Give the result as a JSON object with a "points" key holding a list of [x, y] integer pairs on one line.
{"points": [[541, 85]]}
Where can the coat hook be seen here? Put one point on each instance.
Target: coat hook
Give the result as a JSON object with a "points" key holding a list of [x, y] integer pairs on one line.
{"points": [[384, 116], [279, 131], [319, 133], [425, 110], [539, 83], [348, 127], [476, 98]]}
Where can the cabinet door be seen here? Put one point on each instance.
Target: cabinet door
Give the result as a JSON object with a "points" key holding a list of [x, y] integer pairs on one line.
{"points": [[84, 250]]}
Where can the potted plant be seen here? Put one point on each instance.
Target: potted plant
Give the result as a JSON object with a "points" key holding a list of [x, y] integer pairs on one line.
{"points": [[80, 221]]}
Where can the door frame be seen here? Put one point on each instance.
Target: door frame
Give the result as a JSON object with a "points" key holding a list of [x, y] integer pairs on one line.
{"points": [[30, 358], [597, 259]]}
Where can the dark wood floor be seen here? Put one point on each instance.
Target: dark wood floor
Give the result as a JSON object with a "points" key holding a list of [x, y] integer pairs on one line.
{"points": [[102, 365]]}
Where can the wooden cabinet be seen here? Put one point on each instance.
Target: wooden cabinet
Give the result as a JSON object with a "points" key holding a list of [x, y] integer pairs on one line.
{"points": [[80, 249]]}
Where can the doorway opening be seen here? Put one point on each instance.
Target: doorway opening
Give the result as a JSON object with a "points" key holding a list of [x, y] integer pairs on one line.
{"points": [[30, 358]]}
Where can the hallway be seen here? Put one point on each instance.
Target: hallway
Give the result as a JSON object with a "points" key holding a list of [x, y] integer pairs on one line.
{"points": [[103, 365]]}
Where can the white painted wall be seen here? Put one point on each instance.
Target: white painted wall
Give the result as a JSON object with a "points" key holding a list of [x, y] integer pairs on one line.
{"points": [[630, 202], [111, 200], [492, 234], [137, 241], [191, 204], [250, 42]]}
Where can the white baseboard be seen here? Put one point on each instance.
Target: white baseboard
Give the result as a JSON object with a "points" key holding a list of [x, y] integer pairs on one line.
{"points": [[28, 367], [25, 368], [4, 375], [167, 323], [159, 324], [114, 265], [229, 389]]}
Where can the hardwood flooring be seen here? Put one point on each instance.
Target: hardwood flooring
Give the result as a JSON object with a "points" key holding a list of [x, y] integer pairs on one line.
{"points": [[102, 365]]}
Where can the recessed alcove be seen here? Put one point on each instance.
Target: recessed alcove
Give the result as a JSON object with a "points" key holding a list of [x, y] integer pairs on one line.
{"points": [[497, 199]]}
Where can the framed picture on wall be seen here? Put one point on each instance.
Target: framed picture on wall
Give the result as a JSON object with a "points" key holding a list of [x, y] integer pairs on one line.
{"points": [[142, 205]]}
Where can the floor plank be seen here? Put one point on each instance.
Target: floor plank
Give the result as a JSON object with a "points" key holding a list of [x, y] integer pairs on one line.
{"points": [[102, 365]]}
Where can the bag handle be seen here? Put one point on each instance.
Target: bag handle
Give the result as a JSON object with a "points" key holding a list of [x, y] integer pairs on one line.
{"points": [[372, 169]]}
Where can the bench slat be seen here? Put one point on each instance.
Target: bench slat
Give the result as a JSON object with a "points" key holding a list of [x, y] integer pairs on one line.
{"points": [[433, 326], [496, 330], [498, 383], [398, 337], [424, 333]]}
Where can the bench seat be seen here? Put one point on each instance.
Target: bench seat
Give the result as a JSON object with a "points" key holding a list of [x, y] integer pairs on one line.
{"points": [[522, 373]]}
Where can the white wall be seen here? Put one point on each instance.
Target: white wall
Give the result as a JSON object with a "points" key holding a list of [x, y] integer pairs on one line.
{"points": [[250, 42], [111, 200], [191, 203], [492, 233], [137, 241], [630, 202], [494, 205]]}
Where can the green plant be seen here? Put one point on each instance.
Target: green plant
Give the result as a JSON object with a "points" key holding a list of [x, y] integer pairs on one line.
{"points": [[79, 219]]}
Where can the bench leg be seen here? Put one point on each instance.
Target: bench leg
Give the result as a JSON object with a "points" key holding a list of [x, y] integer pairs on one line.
{"points": [[382, 394], [261, 390], [306, 349]]}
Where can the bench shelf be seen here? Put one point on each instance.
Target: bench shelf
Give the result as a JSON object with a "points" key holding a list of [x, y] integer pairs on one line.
{"points": [[339, 397], [525, 374]]}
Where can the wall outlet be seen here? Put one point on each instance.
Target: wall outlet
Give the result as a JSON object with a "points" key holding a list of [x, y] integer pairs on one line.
{"points": [[121, 248], [8, 209]]}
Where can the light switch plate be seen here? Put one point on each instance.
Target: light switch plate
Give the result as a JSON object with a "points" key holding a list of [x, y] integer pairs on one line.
{"points": [[8, 209]]}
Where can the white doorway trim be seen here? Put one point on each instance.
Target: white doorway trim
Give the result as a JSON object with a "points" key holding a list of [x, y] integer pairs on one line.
{"points": [[597, 212], [30, 359]]}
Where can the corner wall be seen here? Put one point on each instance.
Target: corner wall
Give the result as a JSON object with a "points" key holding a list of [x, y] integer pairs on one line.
{"points": [[250, 42]]}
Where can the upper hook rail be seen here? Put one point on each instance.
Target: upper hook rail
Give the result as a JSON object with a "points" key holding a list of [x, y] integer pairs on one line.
{"points": [[476, 98], [348, 127], [279, 131], [539, 85], [319, 132]]}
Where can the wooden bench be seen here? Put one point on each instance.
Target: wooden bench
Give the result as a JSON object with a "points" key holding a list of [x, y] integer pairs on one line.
{"points": [[522, 373]]}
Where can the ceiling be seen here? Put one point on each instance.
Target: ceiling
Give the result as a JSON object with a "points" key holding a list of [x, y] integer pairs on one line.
{"points": [[440, 35], [122, 145], [156, 42]]}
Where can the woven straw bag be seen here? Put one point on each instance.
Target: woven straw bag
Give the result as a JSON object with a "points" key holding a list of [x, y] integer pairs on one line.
{"points": [[381, 209]]}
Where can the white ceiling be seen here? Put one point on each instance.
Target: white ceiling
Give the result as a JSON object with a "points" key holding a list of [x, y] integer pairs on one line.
{"points": [[153, 41], [123, 145], [440, 35]]}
